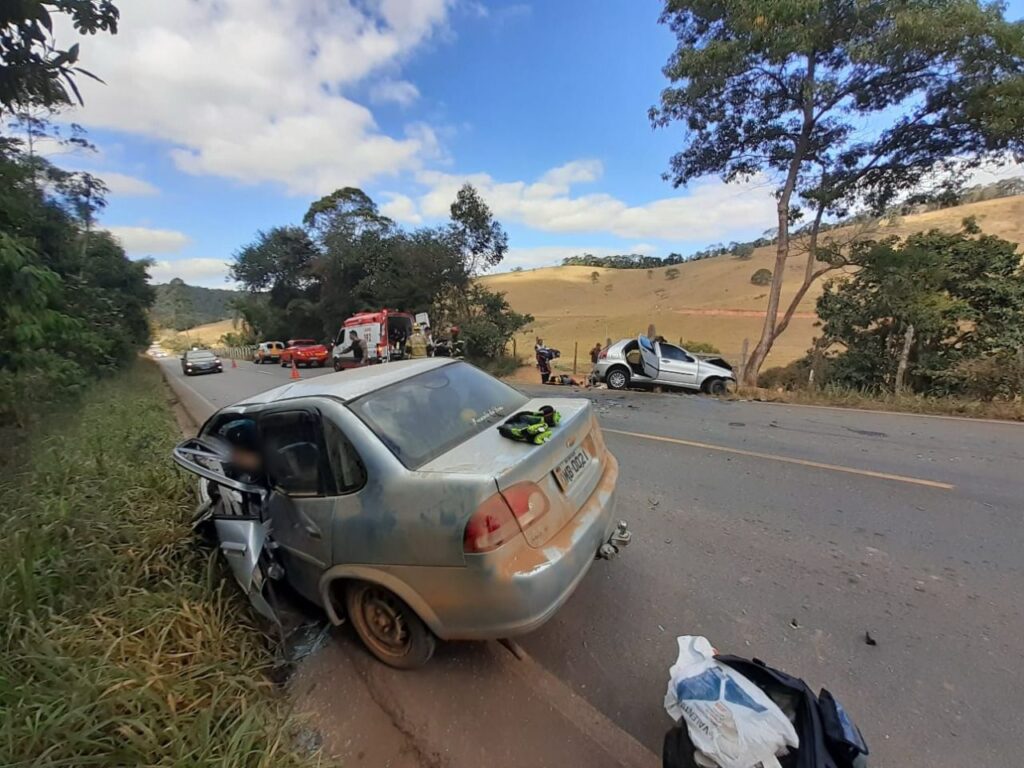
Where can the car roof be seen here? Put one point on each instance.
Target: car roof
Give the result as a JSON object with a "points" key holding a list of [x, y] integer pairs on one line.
{"points": [[350, 384]]}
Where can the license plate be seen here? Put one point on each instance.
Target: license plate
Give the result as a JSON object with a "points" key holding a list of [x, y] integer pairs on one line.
{"points": [[572, 467]]}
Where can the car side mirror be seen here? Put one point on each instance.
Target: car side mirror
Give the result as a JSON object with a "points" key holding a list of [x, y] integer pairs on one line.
{"points": [[210, 458]]}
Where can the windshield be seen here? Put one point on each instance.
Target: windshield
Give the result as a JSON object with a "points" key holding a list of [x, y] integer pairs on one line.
{"points": [[427, 415], [200, 355]]}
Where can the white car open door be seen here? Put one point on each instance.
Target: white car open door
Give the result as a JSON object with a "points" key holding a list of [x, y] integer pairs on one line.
{"points": [[648, 357]]}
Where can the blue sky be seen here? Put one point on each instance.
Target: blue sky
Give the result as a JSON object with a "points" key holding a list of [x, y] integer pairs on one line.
{"points": [[221, 118]]}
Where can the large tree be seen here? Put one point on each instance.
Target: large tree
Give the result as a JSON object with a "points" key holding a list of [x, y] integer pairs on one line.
{"points": [[841, 103]]}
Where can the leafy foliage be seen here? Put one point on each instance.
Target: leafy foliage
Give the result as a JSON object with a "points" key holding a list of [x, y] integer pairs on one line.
{"points": [[963, 294], [72, 305], [671, 273], [762, 276], [785, 89], [34, 71]]}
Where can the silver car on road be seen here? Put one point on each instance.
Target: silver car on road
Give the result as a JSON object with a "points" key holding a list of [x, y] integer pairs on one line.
{"points": [[388, 495], [641, 362]]}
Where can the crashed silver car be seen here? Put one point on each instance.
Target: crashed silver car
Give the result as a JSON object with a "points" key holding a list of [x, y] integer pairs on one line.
{"points": [[387, 494], [641, 362]]}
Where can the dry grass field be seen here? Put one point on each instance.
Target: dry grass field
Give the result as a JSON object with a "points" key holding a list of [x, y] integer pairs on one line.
{"points": [[711, 300], [208, 334]]}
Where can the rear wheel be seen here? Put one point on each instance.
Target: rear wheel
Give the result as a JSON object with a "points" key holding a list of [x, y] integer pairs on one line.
{"points": [[388, 627], [716, 387], [617, 378]]}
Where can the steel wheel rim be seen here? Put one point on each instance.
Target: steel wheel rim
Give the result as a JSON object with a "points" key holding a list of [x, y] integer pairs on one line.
{"points": [[617, 379], [382, 616]]}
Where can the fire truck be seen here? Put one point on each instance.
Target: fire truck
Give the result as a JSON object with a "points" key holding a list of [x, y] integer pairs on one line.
{"points": [[383, 333]]}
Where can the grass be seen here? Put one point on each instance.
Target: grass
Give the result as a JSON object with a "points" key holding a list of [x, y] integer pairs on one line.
{"points": [[1012, 410], [711, 300], [120, 643]]}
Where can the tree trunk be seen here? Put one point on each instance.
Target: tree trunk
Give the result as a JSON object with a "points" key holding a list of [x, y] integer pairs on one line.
{"points": [[901, 369], [764, 344]]}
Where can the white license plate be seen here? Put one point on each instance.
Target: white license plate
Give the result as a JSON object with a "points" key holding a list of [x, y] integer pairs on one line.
{"points": [[572, 467]]}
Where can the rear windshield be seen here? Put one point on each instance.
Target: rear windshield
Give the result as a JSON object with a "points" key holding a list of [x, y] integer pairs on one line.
{"points": [[427, 415]]}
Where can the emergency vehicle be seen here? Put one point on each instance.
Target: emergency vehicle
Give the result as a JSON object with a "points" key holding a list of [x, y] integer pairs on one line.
{"points": [[383, 334]]}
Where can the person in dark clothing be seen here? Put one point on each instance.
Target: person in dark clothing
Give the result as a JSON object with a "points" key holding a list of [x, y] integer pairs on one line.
{"points": [[595, 353], [355, 345]]}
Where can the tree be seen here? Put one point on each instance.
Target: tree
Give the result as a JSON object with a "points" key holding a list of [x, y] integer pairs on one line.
{"points": [[963, 296], [34, 71], [761, 277], [490, 323], [785, 89], [743, 251], [475, 232], [595, 277]]}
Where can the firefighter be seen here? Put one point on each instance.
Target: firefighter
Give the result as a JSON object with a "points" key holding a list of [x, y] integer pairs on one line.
{"points": [[417, 345]]}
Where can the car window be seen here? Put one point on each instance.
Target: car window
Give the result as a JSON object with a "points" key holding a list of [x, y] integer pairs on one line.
{"points": [[347, 468], [671, 352], [425, 416], [199, 355], [291, 450]]}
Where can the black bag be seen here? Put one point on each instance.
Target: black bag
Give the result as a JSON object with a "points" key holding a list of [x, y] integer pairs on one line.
{"points": [[828, 738]]}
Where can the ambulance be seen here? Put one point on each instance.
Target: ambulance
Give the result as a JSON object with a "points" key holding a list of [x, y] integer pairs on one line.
{"points": [[383, 333]]}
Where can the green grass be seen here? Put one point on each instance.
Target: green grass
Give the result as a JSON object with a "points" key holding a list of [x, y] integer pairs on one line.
{"points": [[120, 643]]}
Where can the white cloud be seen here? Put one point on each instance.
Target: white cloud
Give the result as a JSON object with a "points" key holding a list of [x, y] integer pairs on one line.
{"points": [[128, 186], [401, 208], [253, 90], [212, 272], [400, 92], [709, 209], [141, 241]]}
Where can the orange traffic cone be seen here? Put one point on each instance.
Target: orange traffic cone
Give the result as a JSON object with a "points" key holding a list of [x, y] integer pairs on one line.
{"points": [[234, 364], [295, 370]]}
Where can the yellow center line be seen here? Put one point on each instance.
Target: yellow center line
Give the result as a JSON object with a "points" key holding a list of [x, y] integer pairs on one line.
{"points": [[786, 459]]}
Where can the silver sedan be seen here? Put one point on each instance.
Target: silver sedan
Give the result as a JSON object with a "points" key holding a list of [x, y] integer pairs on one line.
{"points": [[387, 494]]}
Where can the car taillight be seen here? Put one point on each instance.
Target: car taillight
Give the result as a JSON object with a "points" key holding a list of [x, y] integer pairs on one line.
{"points": [[490, 526], [528, 503]]}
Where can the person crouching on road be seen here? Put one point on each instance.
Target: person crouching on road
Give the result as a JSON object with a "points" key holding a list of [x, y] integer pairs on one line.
{"points": [[355, 346], [417, 345]]}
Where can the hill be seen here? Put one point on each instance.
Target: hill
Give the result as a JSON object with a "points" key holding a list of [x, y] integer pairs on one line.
{"points": [[710, 300], [205, 335], [179, 305]]}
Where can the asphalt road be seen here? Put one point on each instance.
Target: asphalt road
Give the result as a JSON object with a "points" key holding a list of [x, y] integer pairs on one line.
{"points": [[787, 533]]}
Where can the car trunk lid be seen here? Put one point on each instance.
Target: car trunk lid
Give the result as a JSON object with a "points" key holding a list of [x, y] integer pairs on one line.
{"points": [[567, 468]]}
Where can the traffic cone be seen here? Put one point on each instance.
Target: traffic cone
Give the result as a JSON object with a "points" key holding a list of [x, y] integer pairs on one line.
{"points": [[234, 363], [295, 370]]}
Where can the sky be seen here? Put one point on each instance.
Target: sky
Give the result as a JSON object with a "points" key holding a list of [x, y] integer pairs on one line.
{"points": [[220, 118]]}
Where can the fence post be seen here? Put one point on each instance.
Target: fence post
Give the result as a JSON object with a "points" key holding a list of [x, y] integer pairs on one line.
{"points": [[575, 351]]}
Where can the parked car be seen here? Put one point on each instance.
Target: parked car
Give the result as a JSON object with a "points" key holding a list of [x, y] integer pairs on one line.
{"points": [[268, 352], [391, 497], [200, 361], [304, 352], [663, 364]]}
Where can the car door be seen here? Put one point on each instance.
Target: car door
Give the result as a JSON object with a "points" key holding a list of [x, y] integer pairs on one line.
{"points": [[301, 502], [649, 360], [678, 367]]}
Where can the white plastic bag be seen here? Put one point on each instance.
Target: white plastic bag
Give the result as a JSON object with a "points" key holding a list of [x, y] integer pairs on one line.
{"points": [[729, 719]]}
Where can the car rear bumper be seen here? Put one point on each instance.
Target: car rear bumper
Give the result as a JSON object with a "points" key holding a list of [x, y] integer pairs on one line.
{"points": [[517, 588]]}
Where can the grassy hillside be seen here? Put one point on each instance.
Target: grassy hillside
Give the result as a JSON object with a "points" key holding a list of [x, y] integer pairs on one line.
{"points": [[208, 334], [179, 305], [711, 300]]}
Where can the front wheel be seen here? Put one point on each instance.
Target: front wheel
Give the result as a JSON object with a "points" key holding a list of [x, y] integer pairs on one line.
{"points": [[617, 379], [337, 364], [388, 627], [716, 387]]}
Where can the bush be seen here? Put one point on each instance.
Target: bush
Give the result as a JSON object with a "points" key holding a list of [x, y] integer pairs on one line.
{"points": [[671, 273], [791, 376], [701, 348], [761, 277]]}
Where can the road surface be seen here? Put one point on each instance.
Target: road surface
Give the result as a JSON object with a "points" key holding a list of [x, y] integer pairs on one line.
{"points": [[788, 534]]}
